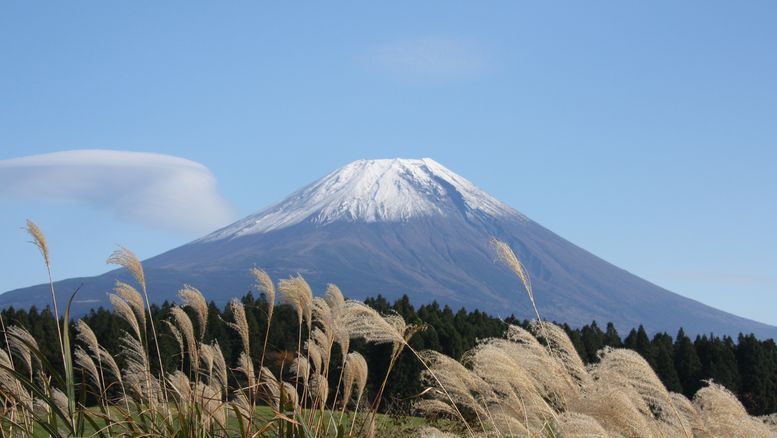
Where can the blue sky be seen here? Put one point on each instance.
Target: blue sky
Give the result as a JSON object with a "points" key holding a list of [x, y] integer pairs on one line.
{"points": [[645, 133]]}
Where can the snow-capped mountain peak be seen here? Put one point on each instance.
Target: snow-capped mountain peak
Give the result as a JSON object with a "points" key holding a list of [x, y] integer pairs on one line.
{"points": [[387, 190]]}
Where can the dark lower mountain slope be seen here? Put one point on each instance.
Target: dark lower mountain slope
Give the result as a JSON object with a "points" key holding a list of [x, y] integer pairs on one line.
{"points": [[429, 258]]}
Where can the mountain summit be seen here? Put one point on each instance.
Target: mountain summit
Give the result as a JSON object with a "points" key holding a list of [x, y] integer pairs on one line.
{"points": [[396, 190], [399, 226]]}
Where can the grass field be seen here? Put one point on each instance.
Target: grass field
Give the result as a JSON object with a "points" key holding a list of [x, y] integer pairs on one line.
{"points": [[529, 383]]}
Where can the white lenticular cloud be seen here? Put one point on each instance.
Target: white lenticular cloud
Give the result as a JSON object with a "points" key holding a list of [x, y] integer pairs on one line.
{"points": [[146, 188]]}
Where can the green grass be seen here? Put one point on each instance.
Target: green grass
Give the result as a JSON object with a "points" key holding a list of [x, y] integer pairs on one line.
{"points": [[387, 425]]}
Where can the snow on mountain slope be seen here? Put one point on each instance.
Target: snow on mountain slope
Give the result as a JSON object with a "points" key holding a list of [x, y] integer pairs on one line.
{"points": [[395, 227], [392, 190]]}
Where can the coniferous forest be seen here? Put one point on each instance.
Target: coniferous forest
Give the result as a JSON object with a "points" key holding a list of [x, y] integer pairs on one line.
{"points": [[746, 365]]}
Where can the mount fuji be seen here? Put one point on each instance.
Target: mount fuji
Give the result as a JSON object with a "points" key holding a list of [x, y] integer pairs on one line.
{"points": [[401, 226]]}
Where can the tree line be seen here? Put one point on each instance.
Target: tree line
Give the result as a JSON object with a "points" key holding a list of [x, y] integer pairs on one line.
{"points": [[747, 366]]}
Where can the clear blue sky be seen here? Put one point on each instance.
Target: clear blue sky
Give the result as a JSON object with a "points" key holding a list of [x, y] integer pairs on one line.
{"points": [[645, 132]]}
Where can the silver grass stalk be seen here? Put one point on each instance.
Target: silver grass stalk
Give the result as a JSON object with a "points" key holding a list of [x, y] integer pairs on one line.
{"points": [[724, 415], [246, 367], [265, 285], [178, 338], [334, 296], [39, 240], [575, 425], [301, 368], [690, 412], [124, 310], [187, 330], [296, 292], [365, 322], [514, 388], [206, 358], [315, 354], [549, 375], [60, 399], [219, 366], [271, 386], [111, 365], [354, 373], [241, 323], [623, 367], [129, 261], [291, 393], [193, 299], [210, 401], [461, 385], [243, 405], [506, 255], [85, 362], [85, 334], [319, 389], [562, 350], [22, 343], [133, 298], [619, 409]]}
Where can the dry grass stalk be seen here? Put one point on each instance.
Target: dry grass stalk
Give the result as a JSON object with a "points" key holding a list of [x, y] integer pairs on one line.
{"points": [[133, 298], [219, 367], [620, 410], [334, 296], [690, 413], [315, 355], [241, 323], [296, 292], [21, 343], [460, 385], [272, 388], [354, 375], [549, 375], [129, 261], [85, 362], [723, 415], [124, 310], [563, 351], [193, 299], [319, 388], [246, 367], [363, 321], [187, 330], [265, 285], [177, 336], [575, 425], [621, 367], [301, 368], [506, 255], [515, 390], [39, 240], [85, 334]]}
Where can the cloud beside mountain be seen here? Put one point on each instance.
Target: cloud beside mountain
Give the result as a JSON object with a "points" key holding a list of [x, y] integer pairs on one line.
{"points": [[155, 190]]}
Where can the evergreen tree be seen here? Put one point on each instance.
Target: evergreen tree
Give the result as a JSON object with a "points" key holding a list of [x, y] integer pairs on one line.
{"points": [[593, 340], [664, 359], [611, 336], [687, 364]]}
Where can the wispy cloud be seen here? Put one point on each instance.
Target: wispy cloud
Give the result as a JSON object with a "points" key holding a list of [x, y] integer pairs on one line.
{"points": [[429, 56], [156, 190]]}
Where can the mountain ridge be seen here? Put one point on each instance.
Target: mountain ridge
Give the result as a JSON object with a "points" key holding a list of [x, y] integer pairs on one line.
{"points": [[412, 226]]}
